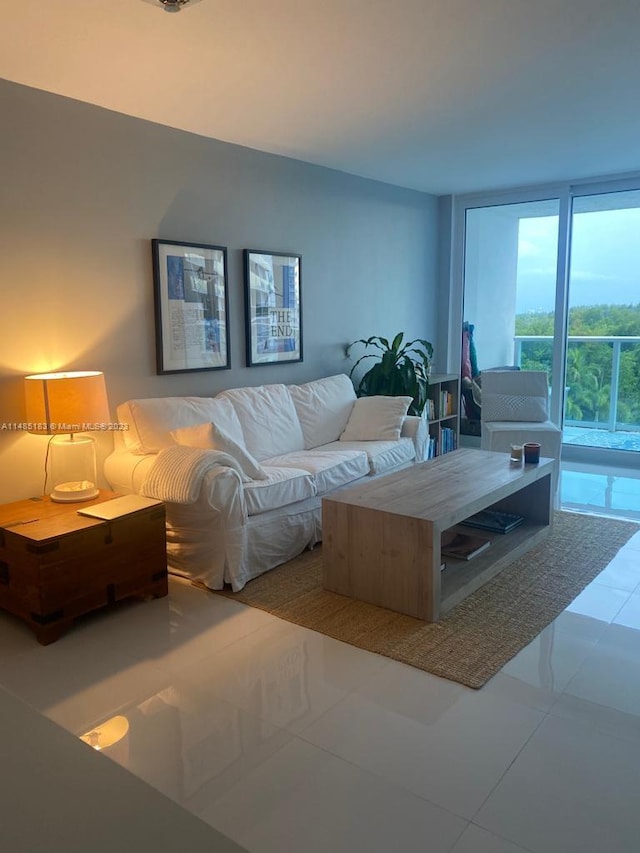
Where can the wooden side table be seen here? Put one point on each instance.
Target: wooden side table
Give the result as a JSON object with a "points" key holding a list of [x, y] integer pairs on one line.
{"points": [[56, 565]]}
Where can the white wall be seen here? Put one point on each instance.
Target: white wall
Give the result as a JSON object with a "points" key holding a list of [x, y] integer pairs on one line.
{"points": [[83, 192], [491, 262]]}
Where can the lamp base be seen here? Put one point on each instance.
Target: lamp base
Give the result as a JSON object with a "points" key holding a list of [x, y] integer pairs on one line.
{"points": [[73, 468], [76, 490]]}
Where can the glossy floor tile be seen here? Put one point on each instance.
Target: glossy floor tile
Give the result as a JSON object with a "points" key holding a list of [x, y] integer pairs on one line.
{"points": [[602, 489], [572, 789], [606, 688], [284, 674], [287, 740], [477, 840], [306, 799], [453, 757]]}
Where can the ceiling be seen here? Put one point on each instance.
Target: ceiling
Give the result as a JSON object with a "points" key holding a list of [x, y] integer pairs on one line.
{"points": [[444, 96]]}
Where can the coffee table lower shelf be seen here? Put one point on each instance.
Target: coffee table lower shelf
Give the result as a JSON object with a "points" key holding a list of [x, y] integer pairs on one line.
{"points": [[462, 577]]}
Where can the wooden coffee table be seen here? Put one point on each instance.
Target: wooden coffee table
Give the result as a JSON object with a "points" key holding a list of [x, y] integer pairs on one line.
{"points": [[381, 538]]}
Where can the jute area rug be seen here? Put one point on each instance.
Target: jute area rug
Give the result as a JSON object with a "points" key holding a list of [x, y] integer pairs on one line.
{"points": [[475, 639]]}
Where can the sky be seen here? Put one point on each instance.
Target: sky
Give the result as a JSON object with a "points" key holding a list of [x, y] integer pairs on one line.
{"points": [[605, 260]]}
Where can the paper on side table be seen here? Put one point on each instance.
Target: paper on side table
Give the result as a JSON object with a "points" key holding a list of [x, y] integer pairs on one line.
{"points": [[108, 510]]}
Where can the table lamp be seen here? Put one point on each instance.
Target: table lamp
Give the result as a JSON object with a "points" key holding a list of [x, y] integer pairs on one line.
{"points": [[62, 405]]}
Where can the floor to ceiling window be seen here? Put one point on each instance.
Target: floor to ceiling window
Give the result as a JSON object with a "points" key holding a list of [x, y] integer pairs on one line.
{"points": [[602, 406], [553, 283]]}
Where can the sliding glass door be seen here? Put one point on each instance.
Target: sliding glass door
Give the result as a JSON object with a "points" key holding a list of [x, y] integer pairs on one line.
{"points": [[602, 407], [553, 283]]}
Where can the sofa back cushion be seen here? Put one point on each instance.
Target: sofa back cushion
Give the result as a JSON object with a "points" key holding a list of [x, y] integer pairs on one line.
{"points": [[151, 421], [323, 408], [268, 419]]}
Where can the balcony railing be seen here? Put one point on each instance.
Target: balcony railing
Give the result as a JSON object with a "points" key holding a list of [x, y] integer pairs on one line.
{"points": [[594, 389]]}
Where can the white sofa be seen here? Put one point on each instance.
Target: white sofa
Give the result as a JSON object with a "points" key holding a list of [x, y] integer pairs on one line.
{"points": [[242, 474]]}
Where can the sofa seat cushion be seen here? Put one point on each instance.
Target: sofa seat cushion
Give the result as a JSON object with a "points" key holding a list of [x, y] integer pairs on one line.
{"points": [[283, 486], [329, 469], [268, 418], [381, 455]]}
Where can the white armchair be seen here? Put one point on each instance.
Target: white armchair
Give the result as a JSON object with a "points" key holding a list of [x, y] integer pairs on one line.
{"points": [[515, 409]]}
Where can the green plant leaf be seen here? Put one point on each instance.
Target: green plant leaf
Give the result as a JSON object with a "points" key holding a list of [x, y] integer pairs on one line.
{"points": [[362, 358], [423, 355], [399, 370]]}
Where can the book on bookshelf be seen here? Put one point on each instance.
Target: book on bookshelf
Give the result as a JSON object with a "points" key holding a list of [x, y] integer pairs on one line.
{"points": [[494, 520], [448, 439], [431, 410], [462, 546], [446, 404]]}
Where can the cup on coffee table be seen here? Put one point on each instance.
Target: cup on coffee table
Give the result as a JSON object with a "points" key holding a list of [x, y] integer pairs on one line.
{"points": [[516, 453], [531, 451]]}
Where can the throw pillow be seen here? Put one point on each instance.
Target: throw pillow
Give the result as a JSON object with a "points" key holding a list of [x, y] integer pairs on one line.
{"points": [[513, 407], [209, 436], [376, 419]]}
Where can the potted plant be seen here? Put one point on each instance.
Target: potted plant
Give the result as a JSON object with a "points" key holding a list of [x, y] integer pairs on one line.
{"points": [[401, 371]]}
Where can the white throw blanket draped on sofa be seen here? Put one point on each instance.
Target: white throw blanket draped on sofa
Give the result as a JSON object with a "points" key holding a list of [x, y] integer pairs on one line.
{"points": [[206, 513], [178, 473]]}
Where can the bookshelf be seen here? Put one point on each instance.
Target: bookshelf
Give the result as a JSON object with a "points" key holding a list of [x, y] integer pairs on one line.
{"points": [[443, 413]]}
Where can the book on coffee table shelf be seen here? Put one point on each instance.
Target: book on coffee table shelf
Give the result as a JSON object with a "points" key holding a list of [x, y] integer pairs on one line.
{"points": [[494, 520], [462, 546]]}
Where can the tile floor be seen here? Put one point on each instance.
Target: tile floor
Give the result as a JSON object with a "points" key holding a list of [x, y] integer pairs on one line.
{"points": [[289, 741], [602, 490]]}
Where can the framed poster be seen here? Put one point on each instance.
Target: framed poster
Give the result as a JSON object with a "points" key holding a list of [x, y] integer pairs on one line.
{"points": [[191, 306], [273, 307]]}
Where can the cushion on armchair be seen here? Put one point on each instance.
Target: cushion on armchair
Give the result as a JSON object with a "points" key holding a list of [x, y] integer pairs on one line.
{"points": [[514, 395], [513, 407]]}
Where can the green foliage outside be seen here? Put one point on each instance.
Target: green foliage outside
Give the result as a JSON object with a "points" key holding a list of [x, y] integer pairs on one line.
{"points": [[589, 365]]}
